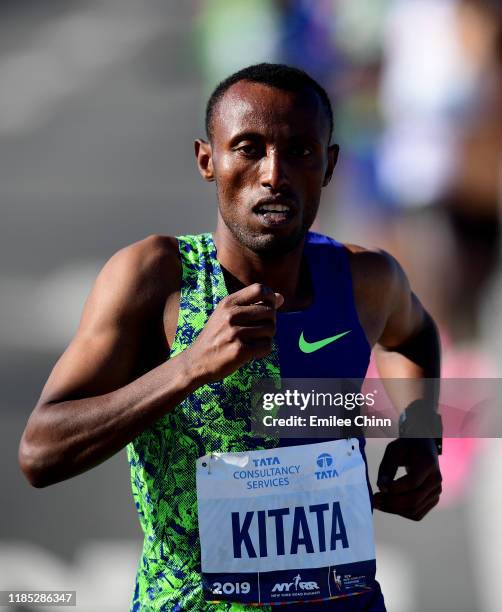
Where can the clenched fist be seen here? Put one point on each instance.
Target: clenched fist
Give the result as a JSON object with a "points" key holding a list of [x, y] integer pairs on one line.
{"points": [[417, 492], [241, 328]]}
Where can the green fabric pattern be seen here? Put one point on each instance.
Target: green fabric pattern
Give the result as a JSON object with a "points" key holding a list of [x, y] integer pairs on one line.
{"points": [[215, 418]]}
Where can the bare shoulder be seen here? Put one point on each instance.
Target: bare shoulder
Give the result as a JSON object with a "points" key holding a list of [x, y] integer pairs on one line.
{"points": [[139, 277], [376, 277], [373, 266], [109, 348], [154, 254]]}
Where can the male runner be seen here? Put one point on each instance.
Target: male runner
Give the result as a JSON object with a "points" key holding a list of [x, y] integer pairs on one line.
{"points": [[176, 329]]}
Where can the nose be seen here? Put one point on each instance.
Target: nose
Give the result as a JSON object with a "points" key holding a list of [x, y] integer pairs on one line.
{"points": [[273, 171]]}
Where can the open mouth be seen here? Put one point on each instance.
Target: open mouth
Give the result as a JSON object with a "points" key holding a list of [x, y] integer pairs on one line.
{"points": [[274, 213]]}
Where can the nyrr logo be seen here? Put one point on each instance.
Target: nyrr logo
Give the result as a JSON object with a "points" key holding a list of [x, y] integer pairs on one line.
{"points": [[325, 462], [338, 580], [286, 587]]}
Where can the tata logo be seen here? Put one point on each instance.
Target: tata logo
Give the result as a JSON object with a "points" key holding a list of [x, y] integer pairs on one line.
{"points": [[325, 462], [285, 587], [264, 461]]}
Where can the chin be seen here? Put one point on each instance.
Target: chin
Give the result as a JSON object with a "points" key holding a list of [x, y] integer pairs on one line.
{"points": [[269, 245]]}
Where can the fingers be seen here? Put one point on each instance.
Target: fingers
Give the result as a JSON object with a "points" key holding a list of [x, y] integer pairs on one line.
{"points": [[412, 504], [405, 508], [410, 481], [250, 315], [416, 493], [426, 507], [265, 329], [420, 459], [279, 300], [251, 311], [393, 458], [256, 293], [241, 328]]}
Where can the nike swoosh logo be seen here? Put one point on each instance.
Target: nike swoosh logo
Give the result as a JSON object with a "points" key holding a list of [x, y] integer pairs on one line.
{"points": [[311, 347]]}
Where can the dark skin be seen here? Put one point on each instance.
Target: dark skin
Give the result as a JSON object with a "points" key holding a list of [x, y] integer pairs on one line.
{"points": [[269, 148]]}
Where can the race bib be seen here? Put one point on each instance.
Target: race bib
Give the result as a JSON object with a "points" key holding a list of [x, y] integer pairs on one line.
{"points": [[285, 524]]}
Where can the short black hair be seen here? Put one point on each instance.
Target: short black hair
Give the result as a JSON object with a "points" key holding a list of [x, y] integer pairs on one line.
{"points": [[280, 76]]}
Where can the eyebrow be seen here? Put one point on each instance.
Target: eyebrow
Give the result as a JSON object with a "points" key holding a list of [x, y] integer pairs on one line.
{"points": [[246, 135], [250, 135]]}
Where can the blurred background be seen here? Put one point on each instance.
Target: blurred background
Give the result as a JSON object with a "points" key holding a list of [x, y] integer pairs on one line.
{"points": [[99, 105]]}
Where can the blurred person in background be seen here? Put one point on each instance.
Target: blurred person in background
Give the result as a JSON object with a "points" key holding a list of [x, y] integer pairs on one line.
{"points": [[441, 150]]}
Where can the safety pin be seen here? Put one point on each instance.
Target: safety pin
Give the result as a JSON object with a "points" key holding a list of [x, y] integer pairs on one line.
{"points": [[208, 464]]}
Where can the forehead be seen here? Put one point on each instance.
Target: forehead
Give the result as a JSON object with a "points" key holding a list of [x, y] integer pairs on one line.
{"points": [[267, 110]]}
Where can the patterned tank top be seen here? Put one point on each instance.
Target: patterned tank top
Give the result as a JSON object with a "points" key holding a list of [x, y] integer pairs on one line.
{"points": [[215, 417]]}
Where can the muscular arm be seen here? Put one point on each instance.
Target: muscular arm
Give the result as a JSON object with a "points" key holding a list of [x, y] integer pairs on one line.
{"points": [[91, 407], [406, 348], [94, 403]]}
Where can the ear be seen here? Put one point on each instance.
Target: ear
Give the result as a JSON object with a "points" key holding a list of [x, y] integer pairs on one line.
{"points": [[332, 159], [204, 155]]}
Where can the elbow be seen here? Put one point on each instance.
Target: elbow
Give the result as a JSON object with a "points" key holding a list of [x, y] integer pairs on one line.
{"points": [[32, 464], [430, 326]]}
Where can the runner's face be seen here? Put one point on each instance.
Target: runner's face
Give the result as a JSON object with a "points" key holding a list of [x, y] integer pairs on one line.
{"points": [[270, 158]]}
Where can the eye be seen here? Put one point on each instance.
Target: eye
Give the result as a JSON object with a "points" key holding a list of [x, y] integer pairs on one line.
{"points": [[301, 151], [248, 150]]}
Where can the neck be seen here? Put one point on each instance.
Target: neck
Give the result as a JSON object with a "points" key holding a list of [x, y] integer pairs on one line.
{"points": [[282, 273]]}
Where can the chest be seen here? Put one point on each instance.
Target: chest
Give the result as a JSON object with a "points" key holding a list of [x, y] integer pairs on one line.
{"points": [[311, 341]]}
